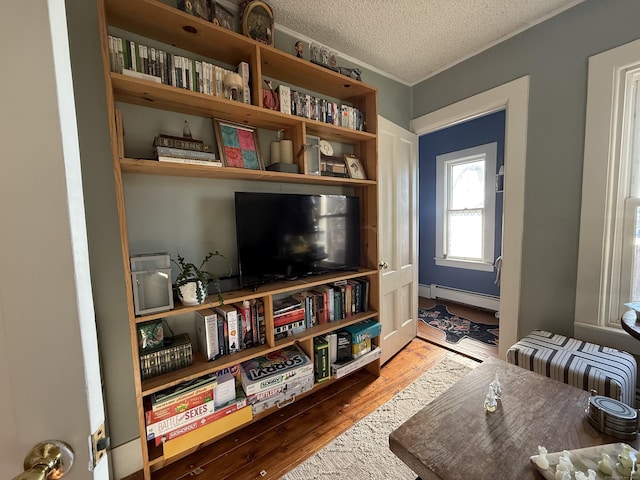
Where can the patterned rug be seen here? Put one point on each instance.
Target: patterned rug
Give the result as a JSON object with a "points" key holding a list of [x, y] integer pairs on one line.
{"points": [[362, 452], [456, 328]]}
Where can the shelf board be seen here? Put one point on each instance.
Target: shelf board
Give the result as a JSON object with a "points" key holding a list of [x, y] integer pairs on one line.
{"points": [[166, 24], [274, 288], [161, 22], [153, 167], [145, 93], [293, 70]]}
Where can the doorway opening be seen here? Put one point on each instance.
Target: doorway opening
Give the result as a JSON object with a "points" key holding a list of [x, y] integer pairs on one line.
{"points": [[514, 98]]}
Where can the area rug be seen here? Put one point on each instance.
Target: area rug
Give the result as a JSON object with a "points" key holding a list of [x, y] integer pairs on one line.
{"points": [[456, 328], [362, 452]]}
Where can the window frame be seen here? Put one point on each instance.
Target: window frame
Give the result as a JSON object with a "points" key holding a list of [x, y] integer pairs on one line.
{"points": [[489, 152], [600, 254]]}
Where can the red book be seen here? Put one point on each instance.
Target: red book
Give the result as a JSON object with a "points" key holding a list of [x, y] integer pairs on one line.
{"points": [[323, 310]]}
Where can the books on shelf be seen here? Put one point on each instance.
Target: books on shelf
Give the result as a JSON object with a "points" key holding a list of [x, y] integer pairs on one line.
{"points": [[207, 333], [322, 368], [230, 316], [157, 65], [265, 372]]}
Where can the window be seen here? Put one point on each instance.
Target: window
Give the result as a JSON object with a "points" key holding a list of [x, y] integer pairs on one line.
{"points": [[609, 253], [465, 208]]}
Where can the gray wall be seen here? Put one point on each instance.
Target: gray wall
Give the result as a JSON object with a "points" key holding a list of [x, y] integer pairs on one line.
{"points": [[149, 222], [555, 55]]}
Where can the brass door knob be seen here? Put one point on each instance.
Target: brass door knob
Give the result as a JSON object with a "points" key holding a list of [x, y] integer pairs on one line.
{"points": [[383, 265], [47, 460]]}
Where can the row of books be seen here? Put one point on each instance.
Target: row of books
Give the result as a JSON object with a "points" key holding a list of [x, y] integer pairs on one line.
{"points": [[131, 58], [320, 109], [228, 329], [318, 306]]}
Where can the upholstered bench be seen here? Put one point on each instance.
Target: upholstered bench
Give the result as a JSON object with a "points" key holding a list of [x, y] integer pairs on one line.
{"points": [[608, 371]]}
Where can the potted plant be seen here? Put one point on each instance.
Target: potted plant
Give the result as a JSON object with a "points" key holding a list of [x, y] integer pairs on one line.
{"points": [[192, 282]]}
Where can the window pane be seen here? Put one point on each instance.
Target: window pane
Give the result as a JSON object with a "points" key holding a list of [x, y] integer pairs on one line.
{"points": [[467, 185], [464, 235], [635, 275]]}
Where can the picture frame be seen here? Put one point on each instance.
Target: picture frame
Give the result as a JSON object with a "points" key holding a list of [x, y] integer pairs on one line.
{"points": [[238, 145], [354, 167], [257, 22], [313, 155], [198, 8], [223, 17]]}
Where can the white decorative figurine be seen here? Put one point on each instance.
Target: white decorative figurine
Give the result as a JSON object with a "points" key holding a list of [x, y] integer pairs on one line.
{"points": [[542, 460], [626, 461], [565, 466], [490, 402], [591, 475], [604, 465], [497, 388]]}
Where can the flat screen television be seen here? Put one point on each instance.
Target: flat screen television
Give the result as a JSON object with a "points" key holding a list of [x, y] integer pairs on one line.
{"points": [[286, 236]]}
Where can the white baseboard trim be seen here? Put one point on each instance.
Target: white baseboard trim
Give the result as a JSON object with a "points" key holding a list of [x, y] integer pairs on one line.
{"points": [[480, 300], [126, 459]]}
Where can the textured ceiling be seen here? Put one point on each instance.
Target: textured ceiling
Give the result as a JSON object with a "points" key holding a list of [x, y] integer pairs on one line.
{"points": [[410, 40]]}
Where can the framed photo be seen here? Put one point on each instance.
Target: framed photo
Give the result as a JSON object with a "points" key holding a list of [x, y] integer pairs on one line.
{"points": [[257, 22], [313, 155], [354, 167], [223, 17], [198, 8], [238, 145]]}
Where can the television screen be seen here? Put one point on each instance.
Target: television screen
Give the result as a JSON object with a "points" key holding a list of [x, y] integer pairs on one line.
{"points": [[286, 236]]}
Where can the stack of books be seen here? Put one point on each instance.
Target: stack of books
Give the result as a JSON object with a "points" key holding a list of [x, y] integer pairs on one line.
{"points": [[191, 405], [168, 148]]}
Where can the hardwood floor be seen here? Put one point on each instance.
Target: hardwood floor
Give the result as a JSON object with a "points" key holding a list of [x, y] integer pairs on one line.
{"points": [[270, 447], [470, 348]]}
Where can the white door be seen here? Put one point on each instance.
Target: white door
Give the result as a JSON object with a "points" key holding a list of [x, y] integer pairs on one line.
{"points": [[50, 385], [398, 219]]}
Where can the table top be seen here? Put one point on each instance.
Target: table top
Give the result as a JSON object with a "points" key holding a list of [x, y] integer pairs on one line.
{"points": [[631, 324], [454, 437]]}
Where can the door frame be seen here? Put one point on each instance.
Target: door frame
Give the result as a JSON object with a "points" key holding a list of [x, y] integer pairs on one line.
{"points": [[514, 98]]}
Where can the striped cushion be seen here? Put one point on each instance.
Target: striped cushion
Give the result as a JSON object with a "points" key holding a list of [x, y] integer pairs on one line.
{"points": [[584, 365]]}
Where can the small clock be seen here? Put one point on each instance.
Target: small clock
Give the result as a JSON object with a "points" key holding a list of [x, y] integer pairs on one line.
{"points": [[326, 148]]}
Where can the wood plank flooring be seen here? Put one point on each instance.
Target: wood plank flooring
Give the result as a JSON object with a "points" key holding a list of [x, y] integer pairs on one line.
{"points": [[274, 445], [470, 348]]}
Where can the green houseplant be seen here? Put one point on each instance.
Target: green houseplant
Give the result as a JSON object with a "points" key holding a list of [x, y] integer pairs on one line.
{"points": [[192, 282]]}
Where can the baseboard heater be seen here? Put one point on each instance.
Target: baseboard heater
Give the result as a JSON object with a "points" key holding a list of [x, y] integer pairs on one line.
{"points": [[480, 300]]}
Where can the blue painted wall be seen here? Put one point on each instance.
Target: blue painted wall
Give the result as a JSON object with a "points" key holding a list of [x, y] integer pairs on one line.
{"points": [[480, 131]]}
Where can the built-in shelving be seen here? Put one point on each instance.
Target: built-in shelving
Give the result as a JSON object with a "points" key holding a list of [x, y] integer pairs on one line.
{"points": [[175, 29]]}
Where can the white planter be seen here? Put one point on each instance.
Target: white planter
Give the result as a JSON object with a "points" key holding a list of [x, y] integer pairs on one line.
{"points": [[189, 293]]}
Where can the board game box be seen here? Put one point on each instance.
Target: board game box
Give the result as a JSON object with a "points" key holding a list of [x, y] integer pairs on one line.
{"points": [[268, 371]]}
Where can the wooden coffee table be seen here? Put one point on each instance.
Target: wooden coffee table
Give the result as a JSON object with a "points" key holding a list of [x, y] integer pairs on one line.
{"points": [[454, 437]]}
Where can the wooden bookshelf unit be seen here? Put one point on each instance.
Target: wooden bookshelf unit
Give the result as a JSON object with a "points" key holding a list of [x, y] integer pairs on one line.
{"points": [[169, 26]]}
